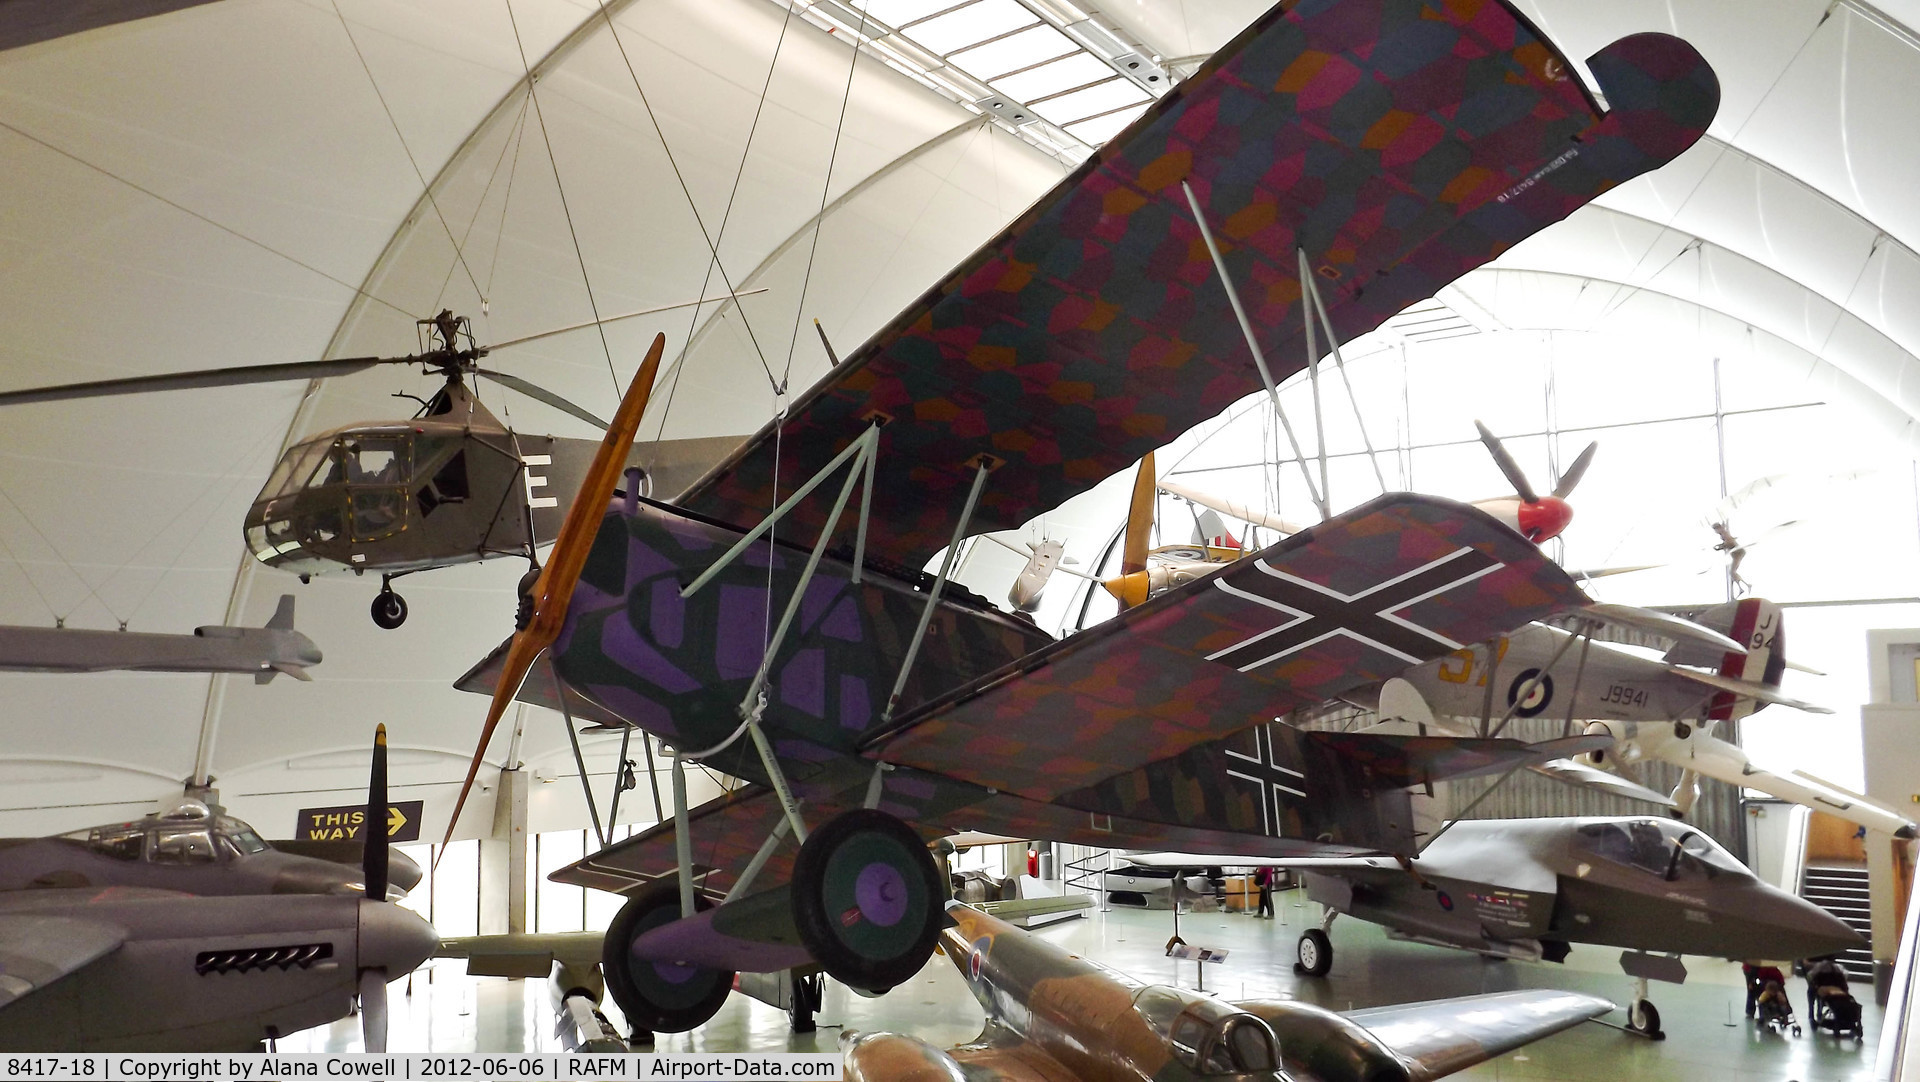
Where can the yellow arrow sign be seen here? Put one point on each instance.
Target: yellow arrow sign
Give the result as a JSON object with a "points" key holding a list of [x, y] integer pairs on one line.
{"points": [[395, 820]]}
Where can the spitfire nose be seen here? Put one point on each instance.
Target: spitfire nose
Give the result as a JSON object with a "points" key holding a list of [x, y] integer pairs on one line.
{"points": [[1544, 518], [394, 938]]}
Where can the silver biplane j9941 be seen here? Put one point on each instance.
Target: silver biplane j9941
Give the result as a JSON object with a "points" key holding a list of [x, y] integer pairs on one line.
{"points": [[1365, 152]]}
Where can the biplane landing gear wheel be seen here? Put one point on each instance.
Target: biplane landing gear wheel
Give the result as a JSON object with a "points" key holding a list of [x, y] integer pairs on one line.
{"points": [[1313, 955], [867, 899], [389, 608], [658, 996]]}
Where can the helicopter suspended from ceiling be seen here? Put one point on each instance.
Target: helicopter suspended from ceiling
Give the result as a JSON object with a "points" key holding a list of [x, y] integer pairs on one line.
{"points": [[452, 484]]}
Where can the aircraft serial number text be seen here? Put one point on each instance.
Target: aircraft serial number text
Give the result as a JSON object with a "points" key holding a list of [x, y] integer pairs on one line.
{"points": [[1624, 695]]}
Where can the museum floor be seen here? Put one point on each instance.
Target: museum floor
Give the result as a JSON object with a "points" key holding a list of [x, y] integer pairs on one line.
{"points": [[1708, 1040]]}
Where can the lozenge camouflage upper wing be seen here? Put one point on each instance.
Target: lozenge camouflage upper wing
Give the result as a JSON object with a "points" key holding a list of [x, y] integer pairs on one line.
{"points": [[1397, 143]]}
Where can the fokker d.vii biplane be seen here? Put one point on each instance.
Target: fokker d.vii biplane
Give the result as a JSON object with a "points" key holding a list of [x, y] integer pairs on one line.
{"points": [[1388, 145]]}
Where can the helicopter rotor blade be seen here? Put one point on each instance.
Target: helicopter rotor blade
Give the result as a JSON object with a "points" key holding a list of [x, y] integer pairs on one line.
{"points": [[735, 296], [1564, 487], [1507, 465], [539, 393], [553, 589], [203, 378]]}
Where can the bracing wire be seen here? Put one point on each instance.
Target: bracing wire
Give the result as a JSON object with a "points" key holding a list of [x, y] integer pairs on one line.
{"points": [[726, 215], [28, 575], [58, 555], [466, 236], [713, 248], [506, 200], [191, 213], [425, 187], [579, 255], [826, 186], [268, 433]]}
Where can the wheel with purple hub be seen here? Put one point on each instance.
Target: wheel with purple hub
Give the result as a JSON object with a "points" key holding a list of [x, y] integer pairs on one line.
{"points": [[867, 899], [661, 997]]}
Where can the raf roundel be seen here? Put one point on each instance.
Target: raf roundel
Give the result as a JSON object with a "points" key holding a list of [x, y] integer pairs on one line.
{"points": [[977, 958]]}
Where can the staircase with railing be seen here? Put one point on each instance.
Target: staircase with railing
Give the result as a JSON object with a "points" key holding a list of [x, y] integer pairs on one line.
{"points": [[1841, 889]]}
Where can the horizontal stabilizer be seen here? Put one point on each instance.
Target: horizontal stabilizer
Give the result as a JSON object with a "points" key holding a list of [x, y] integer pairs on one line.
{"points": [[1404, 761], [539, 689], [1747, 688], [1441, 1036], [522, 954]]}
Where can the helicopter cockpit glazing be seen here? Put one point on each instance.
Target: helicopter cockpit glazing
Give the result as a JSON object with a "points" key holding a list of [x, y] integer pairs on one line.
{"points": [[1211, 1037], [352, 486], [1662, 847]]}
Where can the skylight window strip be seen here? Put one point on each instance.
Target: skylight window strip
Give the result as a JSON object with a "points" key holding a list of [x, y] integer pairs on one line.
{"points": [[1109, 112], [1065, 73], [984, 42], [1037, 65], [1089, 102], [930, 16], [970, 25], [1035, 45], [1076, 89], [1097, 130]]}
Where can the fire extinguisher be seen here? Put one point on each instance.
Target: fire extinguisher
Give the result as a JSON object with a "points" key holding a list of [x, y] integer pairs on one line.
{"points": [[1033, 862]]}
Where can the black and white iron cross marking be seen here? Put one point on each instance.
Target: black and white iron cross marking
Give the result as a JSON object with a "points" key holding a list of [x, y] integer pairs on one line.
{"points": [[1368, 617], [1263, 769]]}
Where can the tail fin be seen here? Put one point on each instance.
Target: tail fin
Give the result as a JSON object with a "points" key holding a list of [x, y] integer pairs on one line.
{"points": [[1755, 623], [283, 615]]}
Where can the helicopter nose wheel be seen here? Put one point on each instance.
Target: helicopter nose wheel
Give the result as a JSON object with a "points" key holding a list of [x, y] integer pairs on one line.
{"points": [[389, 609]]}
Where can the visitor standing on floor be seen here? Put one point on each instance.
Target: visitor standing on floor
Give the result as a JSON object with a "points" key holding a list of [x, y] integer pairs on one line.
{"points": [[1263, 878]]}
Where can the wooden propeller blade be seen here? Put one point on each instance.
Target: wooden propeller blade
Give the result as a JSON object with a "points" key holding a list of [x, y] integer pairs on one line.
{"points": [[554, 588], [1133, 554]]}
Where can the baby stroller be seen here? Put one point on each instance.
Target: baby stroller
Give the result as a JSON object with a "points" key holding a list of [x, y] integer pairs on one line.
{"points": [[1774, 1010], [1767, 995], [1830, 1006]]}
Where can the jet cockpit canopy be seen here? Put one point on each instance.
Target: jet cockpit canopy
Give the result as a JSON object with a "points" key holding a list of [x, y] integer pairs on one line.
{"points": [[1663, 847]]}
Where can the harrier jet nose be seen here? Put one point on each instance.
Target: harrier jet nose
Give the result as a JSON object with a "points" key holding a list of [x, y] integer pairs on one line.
{"points": [[394, 938]]}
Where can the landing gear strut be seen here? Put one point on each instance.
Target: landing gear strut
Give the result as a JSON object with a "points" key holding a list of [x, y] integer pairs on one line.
{"points": [[1313, 954], [1643, 1018], [389, 608]]}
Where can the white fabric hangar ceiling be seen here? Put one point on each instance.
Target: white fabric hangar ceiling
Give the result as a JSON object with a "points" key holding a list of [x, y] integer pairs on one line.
{"points": [[242, 182]]}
